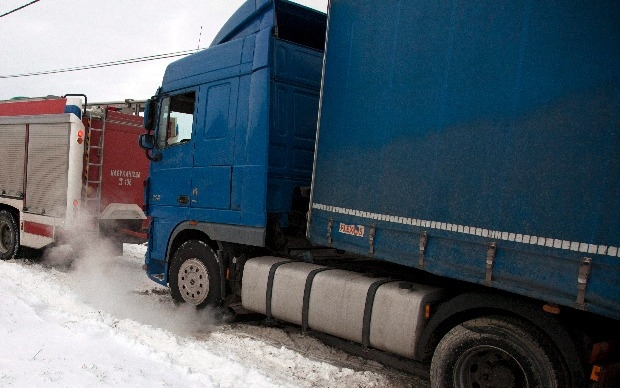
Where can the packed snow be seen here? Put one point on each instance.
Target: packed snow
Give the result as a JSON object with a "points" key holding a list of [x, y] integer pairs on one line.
{"points": [[98, 321]]}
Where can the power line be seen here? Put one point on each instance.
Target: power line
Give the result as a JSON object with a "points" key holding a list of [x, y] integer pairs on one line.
{"points": [[17, 9], [105, 64]]}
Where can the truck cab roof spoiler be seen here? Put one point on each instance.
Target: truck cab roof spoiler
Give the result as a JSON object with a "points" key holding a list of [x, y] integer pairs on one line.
{"points": [[293, 22]]}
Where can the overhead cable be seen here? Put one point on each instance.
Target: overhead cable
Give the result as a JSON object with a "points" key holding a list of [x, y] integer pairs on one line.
{"points": [[17, 9], [105, 64]]}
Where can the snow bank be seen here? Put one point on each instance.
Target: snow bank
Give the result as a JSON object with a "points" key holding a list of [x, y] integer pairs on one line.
{"points": [[101, 322]]}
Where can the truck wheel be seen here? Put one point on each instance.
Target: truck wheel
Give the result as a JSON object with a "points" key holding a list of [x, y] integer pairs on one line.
{"points": [[492, 352], [9, 236], [195, 274]]}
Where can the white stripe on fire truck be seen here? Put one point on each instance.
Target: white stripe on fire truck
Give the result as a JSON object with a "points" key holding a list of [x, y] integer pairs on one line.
{"points": [[127, 123], [475, 231]]}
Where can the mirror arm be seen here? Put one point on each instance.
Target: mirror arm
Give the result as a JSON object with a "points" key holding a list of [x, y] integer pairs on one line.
{"points": [[155, 158]]}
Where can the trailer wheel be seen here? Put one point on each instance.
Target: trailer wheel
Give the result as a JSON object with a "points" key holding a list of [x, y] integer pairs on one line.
{"points": [[492, 352], [195, 274], [9, 236]]}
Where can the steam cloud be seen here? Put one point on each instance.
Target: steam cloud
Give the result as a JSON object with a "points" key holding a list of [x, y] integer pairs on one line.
{"points": [[117, 285]]}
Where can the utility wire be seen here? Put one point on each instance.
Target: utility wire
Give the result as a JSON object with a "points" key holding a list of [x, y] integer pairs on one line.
{"points": [[105, 64], [17, 9]]}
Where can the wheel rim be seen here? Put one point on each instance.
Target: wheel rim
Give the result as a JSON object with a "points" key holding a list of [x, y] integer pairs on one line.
{"points": [[489, 367], [6, 237], [194, 281]]}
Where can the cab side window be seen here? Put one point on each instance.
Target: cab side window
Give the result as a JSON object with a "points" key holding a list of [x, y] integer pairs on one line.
{"points": [[176, 119]]}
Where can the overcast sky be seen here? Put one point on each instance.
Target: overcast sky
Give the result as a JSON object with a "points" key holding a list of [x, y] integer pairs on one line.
{"points": [[60, 34]]}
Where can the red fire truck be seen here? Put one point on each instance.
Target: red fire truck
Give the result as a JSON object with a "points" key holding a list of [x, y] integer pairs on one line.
{"points": [[64, 169]]}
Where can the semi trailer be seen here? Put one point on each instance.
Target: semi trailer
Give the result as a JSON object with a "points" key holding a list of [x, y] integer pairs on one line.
{"points": [[434, 184]]}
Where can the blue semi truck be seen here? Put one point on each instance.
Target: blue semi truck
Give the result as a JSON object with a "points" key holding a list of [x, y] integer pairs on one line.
{"points": [[433, 184]]}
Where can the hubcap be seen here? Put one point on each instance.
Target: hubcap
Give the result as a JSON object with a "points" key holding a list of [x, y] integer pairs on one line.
{"points": [[194, 281], [6, 237], [489, 367]]}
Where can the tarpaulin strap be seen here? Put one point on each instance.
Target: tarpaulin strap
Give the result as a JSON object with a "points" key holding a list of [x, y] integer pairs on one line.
{"points": [[582, 282]]}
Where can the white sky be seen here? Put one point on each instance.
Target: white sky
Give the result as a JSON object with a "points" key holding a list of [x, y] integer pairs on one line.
{"points": [[59, 34]]}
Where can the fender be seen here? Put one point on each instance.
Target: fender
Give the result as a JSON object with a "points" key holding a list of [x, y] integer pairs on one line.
{"points": [[466, 306], [245, 235], [216, 233]]}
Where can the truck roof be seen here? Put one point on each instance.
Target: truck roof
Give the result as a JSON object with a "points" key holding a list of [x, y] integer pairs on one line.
{"points": [[294, 21], [230, 48], [41, 105]]}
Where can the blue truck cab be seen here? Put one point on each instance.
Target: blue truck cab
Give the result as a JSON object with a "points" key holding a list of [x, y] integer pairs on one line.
{"points": [[233, 132]]}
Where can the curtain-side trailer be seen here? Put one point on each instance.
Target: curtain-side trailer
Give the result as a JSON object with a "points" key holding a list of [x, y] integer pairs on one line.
{"points": [[460, 189]]}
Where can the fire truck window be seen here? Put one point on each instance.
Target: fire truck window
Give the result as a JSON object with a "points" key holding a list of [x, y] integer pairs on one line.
{"points": [[176, 119]]}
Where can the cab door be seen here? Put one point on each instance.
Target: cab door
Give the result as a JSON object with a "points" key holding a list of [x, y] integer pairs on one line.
{"points": [[174, 147], [214, 148]]}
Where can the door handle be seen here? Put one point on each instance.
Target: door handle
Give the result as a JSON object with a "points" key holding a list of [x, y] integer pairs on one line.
{"points": [[183, 199]]}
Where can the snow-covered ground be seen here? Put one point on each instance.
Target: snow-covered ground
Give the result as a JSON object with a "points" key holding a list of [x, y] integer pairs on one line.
{"points": [[100, 322]]}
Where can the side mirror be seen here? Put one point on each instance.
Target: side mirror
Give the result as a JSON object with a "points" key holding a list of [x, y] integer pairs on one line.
{"points": [[146, 141], [150, 109]]}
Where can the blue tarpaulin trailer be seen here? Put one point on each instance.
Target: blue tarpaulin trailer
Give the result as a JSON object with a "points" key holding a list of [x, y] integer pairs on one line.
{"points": [[488, 135]]}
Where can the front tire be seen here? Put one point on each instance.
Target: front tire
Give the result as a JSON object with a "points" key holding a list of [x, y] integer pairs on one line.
{"points": [[9, 236], [493, 352], [195, 275]]}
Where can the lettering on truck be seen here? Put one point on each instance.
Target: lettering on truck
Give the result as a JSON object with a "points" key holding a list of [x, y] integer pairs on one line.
{"points": [[125, 176], [353, 230]]}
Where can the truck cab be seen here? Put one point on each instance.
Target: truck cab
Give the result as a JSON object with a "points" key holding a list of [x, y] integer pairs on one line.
{"points": [[232, 131]]}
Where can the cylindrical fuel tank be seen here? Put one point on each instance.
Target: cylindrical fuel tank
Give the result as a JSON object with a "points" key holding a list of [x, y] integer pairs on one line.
{"points": [[381, 313], [337, 303], [289, 284], [397, 318], [254, 283]]}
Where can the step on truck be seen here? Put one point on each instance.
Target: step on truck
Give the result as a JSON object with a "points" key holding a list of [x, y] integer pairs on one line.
{"points": [[68, 175], [433, 184]]}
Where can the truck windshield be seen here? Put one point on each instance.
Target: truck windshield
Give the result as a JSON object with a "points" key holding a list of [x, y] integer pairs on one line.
{"points": [[176, 119]]}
